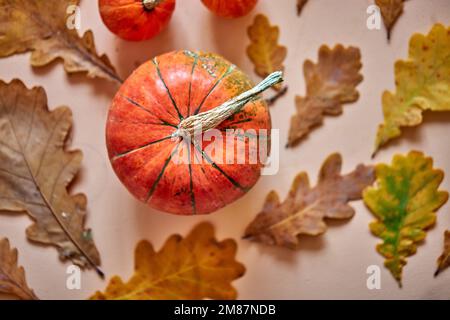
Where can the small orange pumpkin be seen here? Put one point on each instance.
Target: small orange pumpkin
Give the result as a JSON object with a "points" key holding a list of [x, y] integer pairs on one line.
{"points": [[230, 8], [136, 20], [154, 104]]}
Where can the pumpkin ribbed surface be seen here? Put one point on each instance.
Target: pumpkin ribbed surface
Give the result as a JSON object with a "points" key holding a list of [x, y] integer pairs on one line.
{"points": [[146, 112]]}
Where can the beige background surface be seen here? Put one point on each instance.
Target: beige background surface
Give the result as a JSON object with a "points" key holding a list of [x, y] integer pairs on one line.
{"points": [[331, 266]]}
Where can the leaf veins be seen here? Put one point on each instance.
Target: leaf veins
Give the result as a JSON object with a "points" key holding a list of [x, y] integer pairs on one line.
{"points": [[404, 201], [42, 28], [264, 51], [422, 83], [195, 267], [12, 276], [35, 170], [306, 207], [329, 84]]}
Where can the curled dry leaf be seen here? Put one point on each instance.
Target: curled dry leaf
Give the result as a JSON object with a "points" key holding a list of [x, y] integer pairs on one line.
{"points": [[35, 171], [422, 83], [444, 260], [12, 276], [391, 10], [300, 6], [404, 201], [305, 208], [46, 29], [194, 267], [264, 51], [329, 84]]}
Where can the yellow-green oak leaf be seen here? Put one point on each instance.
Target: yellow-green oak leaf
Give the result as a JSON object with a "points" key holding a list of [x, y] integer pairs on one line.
{"points": [[404, 200], [422, 83]]}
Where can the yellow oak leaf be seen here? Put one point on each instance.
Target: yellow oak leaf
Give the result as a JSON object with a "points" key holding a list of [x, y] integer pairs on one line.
{"points": [[329, 84], [264, 51], [391, 10], [306, 207], [422, 83], [12, 276], [48, 29], [444, 258], [404, 200], [194, 267]]}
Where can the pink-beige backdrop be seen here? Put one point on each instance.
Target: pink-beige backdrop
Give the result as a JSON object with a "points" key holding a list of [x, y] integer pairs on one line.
{"points": [[330, 266]]}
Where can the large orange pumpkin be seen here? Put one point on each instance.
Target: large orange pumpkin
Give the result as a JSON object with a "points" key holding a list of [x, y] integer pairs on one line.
{"points": [[230, 8], [136, 20], [149, 109]]}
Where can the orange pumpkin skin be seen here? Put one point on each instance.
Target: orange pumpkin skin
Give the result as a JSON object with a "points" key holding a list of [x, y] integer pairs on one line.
{"points": [[230, 8], [147, 110], [130, 20]]}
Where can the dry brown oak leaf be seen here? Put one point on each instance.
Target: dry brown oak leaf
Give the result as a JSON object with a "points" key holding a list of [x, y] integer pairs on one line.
{"points": [[391, 10], [35, 170], [444, 259], [330, 83], [305, 208], [195, 267], [300, 6], [47, 29], [12, 276]]}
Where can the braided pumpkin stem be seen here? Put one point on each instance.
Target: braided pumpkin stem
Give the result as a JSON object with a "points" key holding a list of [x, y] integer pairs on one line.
{"points": [[204, 121]]}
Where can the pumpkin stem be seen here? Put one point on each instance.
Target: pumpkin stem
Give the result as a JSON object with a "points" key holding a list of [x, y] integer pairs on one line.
{"points": [[204, 121], [150, 4]]}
